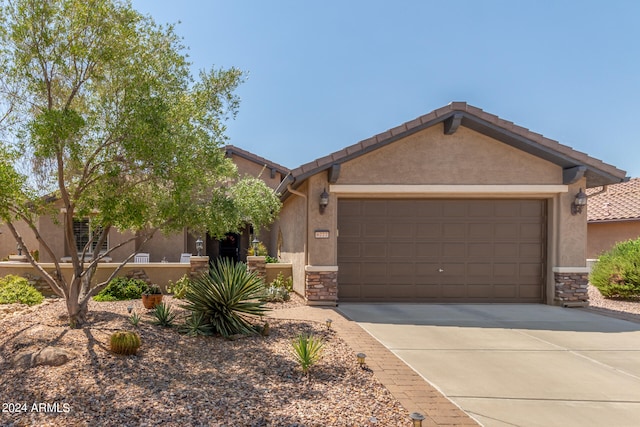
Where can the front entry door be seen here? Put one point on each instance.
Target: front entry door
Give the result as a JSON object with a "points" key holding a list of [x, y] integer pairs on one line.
{"points": [[230, 247]]}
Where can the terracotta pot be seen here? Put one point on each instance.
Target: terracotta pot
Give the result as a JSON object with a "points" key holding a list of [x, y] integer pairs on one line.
{"points": [[150, 301]]}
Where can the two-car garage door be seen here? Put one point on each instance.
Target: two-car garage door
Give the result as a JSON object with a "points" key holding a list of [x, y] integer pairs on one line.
{"points": [[441, 250]]}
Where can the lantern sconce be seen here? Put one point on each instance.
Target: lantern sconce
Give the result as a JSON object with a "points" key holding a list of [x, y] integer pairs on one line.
{"points": [[579, 203], [324, 200], [199, 246]]}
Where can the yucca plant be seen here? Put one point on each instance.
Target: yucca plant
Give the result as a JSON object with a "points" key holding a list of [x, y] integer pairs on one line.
{"points": [[164, 316], [124, 342], [195, 325], [307, 350], [227, 298]]}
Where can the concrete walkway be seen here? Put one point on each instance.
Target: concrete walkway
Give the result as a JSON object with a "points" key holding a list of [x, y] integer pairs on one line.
{"points": [[412, 391], [512, 365]]}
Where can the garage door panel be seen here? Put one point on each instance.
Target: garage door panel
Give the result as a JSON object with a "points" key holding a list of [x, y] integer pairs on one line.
{"points": [[441, 250], [427, 250], [531, 230], [455, 291], [428, 231], [479, 270], [479, 290], [349, 250], [506, 250], [480, 231], [427, 291], [401, 231], [530, 250], [454, 231], [374, 250], [507, 209], [480, 250], [507, 231], [505, 291], [456, 250], [373, 208]]}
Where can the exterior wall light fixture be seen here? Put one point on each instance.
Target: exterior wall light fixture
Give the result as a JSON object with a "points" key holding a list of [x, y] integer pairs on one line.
{"points": [[199, 246], [324, 200], [579, 203]]}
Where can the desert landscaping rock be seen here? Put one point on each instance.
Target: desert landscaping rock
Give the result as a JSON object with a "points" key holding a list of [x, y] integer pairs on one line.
{"points": [[177, 380]]}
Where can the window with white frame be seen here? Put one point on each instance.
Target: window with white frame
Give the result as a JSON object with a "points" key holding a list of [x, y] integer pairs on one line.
{"points": [[84, 233]]}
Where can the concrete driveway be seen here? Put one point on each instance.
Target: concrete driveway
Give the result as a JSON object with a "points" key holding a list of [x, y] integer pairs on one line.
{"points": [[517, 365]]}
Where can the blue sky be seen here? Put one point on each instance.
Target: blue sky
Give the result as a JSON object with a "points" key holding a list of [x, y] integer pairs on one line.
{"points": [[324, 75]]}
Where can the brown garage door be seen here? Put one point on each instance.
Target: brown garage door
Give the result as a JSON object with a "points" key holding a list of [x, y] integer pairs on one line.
{"points": [[441, 250]]}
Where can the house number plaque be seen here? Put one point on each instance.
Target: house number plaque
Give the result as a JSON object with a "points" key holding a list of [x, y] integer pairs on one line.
{"points": [[322, 234]]}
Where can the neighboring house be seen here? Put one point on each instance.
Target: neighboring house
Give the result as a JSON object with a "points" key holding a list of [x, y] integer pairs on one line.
{"points": [[613, 214], [457, 205], [161, 247]]}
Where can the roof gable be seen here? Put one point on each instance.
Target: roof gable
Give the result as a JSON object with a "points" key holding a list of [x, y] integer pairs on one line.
{"points": [[575, 164], [231, 150]]}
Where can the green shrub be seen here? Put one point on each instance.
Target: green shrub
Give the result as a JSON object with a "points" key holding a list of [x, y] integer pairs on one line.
{"points": [[270, 259], [262, 250], [16, 289], [617, 272], [227, 297], [179, 289], [307, 350], [279, 289], [122, 288]]}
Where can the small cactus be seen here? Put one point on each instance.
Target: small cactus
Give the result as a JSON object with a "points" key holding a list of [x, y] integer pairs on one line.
{"points": [[125, 342], [266, 330]]}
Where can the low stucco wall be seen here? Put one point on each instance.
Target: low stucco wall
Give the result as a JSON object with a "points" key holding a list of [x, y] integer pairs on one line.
{"points": [[158, 272], [273, 269]]}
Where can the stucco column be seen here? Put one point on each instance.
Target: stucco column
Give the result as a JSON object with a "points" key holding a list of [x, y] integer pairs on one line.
{"points": [[199, 265], [570, 272], [321, 285], [258, 265]]}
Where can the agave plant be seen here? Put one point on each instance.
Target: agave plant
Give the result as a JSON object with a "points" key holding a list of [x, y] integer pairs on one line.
{"points": [[227, 297], [164, 316], [195, 325]]}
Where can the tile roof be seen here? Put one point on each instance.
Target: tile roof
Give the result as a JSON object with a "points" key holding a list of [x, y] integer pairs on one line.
{"points": [[616, 202], [597, 172], [232, 149]]}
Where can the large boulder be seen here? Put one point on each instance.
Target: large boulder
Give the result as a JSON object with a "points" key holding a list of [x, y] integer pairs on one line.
{"points": [[48, 356]]}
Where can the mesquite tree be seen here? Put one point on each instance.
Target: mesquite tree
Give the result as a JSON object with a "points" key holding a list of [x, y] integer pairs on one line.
{"points": [[101, 114]]}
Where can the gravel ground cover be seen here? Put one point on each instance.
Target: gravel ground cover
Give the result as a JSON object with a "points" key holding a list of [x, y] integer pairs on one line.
{"points": [[176, 380]]}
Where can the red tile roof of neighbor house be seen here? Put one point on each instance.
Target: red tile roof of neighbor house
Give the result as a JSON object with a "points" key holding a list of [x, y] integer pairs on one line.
{"points": [[617, 202]]}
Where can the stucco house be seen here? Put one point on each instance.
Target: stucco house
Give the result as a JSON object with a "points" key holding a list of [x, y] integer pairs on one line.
{"points": [[161, 247], [457, 205], [613, 214]]}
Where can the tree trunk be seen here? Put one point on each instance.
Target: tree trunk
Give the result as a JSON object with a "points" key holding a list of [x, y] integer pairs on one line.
{"points": [[77, 311]]}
